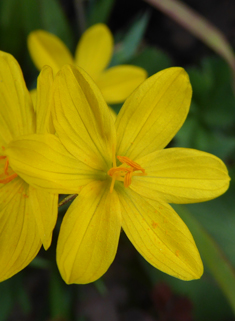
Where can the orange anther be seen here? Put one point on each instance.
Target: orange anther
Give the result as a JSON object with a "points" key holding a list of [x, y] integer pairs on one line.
{"points": [[128, 161], [127, 179], [123, 173], [6, 167], [8, 178], [114, 170]]}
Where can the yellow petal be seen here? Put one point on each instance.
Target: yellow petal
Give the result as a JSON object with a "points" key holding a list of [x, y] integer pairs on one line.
{"points": [[19, 237], [47, 49], [45, 207], [16, 112], [42, 161], [117, 83], [44, 101], [153, 114], [89, 234], [113, 114], [181, 175], [94, 49], [33, 95], [160, 235], [83, 120]]}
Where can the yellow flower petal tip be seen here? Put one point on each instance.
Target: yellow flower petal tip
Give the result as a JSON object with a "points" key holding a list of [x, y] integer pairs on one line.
{"points": [[27, 214], [117, 83], [47, 49], [93, 54]]}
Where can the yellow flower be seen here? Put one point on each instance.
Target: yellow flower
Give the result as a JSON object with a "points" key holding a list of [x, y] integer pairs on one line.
{"points": [[93, 54], [124, 177], [27, 214]]}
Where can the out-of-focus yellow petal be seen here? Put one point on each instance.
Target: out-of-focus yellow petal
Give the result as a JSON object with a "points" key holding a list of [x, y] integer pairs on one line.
{"points": [[45, 209], [83, 120], [160, 235], [42, 161], [118, 82], [89, 234], [19, 237], [16, 112], [153, 113], [94, 50], [44, 101], [47, 49], [180, 175]]}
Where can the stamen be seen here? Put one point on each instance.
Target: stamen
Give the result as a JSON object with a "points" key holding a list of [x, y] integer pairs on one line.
{"points": [[126, 160], [122, 173], [8, 177], [127, 179], [114, 170], [6, 167]]}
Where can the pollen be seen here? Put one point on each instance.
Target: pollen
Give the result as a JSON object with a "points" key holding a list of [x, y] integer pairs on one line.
{"points": [[125, 172], [8, 175]]}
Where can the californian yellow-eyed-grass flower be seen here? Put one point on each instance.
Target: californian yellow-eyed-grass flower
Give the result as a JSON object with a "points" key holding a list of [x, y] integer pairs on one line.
{"points": [[27, 214], [93, 54], [124, 177]]}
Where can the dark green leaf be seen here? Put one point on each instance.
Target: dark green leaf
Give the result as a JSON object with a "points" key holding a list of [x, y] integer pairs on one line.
{"points": [[152, 60], [132, 39], [219, 266], [99, 11], [54, 20]]}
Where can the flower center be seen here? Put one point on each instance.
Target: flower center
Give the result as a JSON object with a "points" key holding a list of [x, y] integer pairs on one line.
{"points": [[8, 174], [125, 171]]}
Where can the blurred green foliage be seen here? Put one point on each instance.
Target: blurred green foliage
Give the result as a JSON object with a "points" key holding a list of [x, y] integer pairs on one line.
{"points": [[210, 126]]}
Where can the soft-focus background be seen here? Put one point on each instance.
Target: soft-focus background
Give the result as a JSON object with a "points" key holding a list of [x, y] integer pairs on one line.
{"points": [[154, 35]]}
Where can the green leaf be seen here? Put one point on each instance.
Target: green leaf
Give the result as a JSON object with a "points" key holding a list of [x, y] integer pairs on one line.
{"points": [[221, 145], [186, 135], [100, 286], [218, 70], [6, 299], [30, 17], [10, 26], [212, 91], [99, 11], [201, 81], [12, 291], [54, 20], [40, 263], [131, 41], [60, 296], [219, 266], [22, 296], [217, 217], [152, 60], [218, 105]]}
